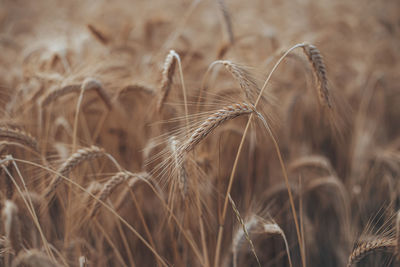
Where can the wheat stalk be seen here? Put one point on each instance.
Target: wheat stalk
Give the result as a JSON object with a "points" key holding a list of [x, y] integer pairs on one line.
{"points": [[368, 247], [319, 70], [19, 136], [227, 19], [75, 159]]}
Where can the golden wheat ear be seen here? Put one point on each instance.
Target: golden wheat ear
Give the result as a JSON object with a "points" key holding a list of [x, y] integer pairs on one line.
{"points": [[369, 247], [12, 225], [75, 159], [108, 188], [319, 70], [226, 113]]}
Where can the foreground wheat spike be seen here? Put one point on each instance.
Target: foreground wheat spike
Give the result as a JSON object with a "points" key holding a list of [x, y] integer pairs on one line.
{"points": [[112, 183], [19, 136], [88, 84], [319, 70], [167, 75], [33, 258], [75, 159], [216, 119], [368, 247]]}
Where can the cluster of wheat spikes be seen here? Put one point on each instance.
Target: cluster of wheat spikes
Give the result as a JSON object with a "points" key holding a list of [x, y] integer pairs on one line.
{"points": [[199, 133]]}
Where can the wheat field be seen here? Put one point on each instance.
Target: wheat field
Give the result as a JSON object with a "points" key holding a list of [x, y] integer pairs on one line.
{"points": [[200, 133]]}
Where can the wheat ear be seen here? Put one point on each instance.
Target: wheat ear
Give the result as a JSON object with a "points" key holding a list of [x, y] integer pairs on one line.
{"points": [[227, 19], [397, 249], [227, 113], [365, 248], [32, 258], [274, 228], [19, 136], [179, 166], [242, 234], [319, 70], [112, 183], [246, 81], [12, 225], [75, 159], [167, 75], [53, 95]]}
